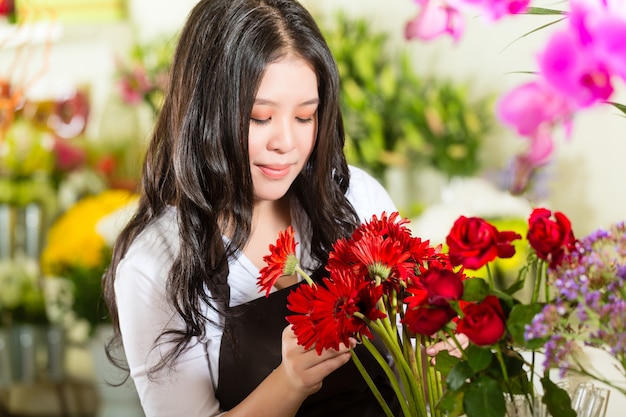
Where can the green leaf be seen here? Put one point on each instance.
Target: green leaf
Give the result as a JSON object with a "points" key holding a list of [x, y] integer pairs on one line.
{"points": [[521, 316], [388, 82], [479, 358], [451, 403], [459, 375], [484, 398], [556, 399], [475, 289], [618, 106], [544, 11], [444, 362]]}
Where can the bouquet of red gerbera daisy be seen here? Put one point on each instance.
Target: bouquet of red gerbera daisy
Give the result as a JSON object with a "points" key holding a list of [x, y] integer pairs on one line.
{"points": [[381, 282], [384, 283]]}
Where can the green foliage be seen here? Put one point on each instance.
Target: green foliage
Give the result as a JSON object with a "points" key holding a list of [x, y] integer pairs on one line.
{"points": [[556, 399], [21, 294], [392, 116], [88, 300]]}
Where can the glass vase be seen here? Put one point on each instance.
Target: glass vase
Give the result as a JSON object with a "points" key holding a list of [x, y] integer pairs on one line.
{"points": [[589, 400]]}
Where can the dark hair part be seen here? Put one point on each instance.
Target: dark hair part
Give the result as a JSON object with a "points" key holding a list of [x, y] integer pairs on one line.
{"points": [[197, 159]]}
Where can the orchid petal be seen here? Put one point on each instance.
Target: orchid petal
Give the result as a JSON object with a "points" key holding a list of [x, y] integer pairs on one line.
{"points": [[529, 106], [433, 21], [574, 71]]}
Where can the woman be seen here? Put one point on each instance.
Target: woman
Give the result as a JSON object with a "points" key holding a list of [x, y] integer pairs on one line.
{"points": [[249, 141]]}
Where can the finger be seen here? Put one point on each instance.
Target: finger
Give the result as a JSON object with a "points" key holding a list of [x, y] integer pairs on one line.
{"points": [[432, 350], [329, 361], [463, 340]]}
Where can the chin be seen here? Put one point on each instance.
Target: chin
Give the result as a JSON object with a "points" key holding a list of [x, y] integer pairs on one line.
{"points": [[270, 195]]}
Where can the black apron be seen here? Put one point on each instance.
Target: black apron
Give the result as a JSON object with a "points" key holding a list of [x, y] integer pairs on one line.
{"points": [[251, 350]]}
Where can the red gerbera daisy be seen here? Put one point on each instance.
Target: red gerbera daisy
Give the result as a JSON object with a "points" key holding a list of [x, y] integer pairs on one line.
{"points": [[280, 262], [326, 314], [383, 258], [300, 301], [380, 248], [342, 257], [386, 226]]}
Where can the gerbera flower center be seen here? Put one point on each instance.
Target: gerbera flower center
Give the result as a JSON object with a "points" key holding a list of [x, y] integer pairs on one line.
{"points": [[380, 270], [290, 265]]}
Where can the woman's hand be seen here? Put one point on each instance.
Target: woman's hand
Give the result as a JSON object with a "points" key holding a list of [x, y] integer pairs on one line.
{"points": [[448, 345], [305, 369], [300, 374]]}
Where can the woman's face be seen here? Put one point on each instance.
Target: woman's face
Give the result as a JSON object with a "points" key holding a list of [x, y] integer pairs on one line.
{"points": [[283, 126]]}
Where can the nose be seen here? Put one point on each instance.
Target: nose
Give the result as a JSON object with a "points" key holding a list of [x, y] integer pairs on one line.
{"points": [[283, 138]]}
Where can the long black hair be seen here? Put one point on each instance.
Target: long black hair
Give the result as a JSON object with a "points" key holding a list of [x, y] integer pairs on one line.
{"points": [[198, 161]]}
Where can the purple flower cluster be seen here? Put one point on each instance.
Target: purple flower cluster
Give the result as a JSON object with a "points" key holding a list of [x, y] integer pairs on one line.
{"points": [[590, 300]]}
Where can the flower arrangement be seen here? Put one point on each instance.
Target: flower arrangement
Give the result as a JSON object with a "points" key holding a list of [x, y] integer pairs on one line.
{"points": [[589, 304], [143, 78], [21, 298], [78, 248], [443, 129], [383, 282], [370, 275], [45, 157], [579, 67]]}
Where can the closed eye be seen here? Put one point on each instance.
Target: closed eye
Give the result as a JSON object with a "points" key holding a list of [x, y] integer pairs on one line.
{"points": [[260, 122]]}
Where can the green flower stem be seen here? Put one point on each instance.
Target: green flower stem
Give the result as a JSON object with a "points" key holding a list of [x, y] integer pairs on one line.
{"points": [[489, 276], [411, 376], [539, 267], [304, 275], [370, 382], [409, 380], [581, 371], [413, 356], [505, 373], [435, 388], [452, 337]]}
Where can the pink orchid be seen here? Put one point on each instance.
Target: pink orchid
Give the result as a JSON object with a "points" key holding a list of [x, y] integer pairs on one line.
{"points": [[533, 110], [491, 10], [433, 20], [602, 28], [530, 106], [573, 70]]}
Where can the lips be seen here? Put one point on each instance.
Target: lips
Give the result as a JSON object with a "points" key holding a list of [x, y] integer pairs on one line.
{"points": [[275, 171]]}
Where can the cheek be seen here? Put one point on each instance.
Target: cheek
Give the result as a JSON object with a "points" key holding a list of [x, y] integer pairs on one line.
{"points": [[256, 142], [308, 139]]}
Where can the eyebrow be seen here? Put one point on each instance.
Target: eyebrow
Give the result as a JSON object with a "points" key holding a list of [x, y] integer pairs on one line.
{"points": [[263, 101]]}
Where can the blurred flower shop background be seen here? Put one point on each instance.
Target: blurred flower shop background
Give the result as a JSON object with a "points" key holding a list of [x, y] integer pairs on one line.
{"points": [[81, 82]]}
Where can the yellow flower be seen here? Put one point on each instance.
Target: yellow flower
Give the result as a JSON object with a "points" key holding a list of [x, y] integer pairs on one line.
{"points": [[73, 239]]}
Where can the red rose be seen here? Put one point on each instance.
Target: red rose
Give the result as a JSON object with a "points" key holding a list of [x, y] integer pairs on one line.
{"points": [[474, 242], [550, 238], [441, 285], [483, 323], [428, 320]]}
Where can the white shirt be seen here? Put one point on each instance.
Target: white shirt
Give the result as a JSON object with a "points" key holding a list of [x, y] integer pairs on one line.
{"points": [[189, 389]]}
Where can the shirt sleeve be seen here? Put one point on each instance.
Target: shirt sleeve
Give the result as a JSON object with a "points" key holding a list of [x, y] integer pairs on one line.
{"points": [[368, 196], [186, 389]]}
